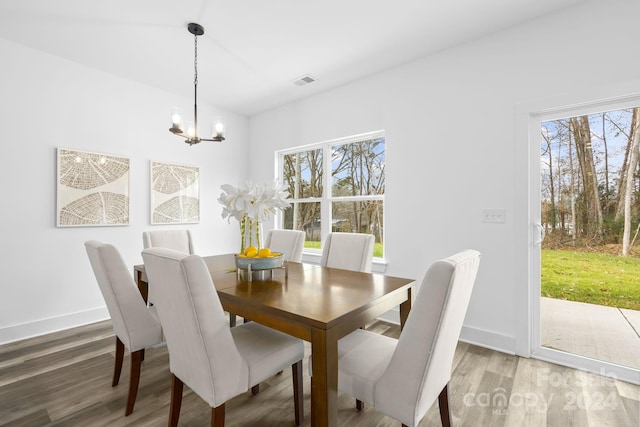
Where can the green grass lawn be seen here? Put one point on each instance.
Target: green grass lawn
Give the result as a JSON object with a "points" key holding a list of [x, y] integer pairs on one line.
{"points": [[592, 277], [377, 247]]}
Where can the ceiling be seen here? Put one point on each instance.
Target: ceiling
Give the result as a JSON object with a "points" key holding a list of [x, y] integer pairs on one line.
{"points": [[253, 50]]}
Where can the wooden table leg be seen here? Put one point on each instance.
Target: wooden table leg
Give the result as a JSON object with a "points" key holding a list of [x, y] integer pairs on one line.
{"points": [[324, 385], [143, 285], [405, 308]]}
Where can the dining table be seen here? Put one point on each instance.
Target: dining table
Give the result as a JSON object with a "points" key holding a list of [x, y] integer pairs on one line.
{"points": [[314, 303]]}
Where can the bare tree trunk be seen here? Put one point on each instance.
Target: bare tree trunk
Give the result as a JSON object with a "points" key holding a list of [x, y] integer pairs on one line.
{"points": [[582, 134], [606, 164], [622, 182], [296, 194], [551, 184], [633, 160], [572, 192]]}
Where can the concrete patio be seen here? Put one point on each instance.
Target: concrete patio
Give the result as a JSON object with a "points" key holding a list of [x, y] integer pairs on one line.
{"points": [[605, 333]]}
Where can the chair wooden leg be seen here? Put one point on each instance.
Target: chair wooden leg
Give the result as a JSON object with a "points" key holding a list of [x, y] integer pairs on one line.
{"points": [[255, 389], [217, 416], [118, 364], [134, 380], [232, 320], [359, 405], [296, 370], [176, 401], [443, 402]]}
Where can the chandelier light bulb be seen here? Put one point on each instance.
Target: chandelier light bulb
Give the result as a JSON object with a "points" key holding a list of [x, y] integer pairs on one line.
{"points": [[176, 120], [191, 130], [218, 129]]}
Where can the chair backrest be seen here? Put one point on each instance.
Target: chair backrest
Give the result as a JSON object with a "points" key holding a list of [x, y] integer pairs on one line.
{"points": [[132, 321], [288, 242], [348, 251], [421, 364], [178, 240], [202, 352]]}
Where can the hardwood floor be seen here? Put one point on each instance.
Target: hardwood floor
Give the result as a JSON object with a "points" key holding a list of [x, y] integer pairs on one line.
{"points": [[64, 379]]}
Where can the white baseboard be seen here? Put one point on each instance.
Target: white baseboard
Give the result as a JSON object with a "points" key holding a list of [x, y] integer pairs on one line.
{"points": [[53, 324], [479, 337], [488, 339]]}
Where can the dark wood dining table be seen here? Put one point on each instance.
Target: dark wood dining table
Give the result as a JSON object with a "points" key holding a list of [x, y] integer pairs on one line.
{"points": [[317, 304]]}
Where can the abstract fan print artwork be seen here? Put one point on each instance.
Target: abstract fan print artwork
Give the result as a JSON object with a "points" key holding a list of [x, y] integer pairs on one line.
{"points": [[93, 189], [175, 193]]}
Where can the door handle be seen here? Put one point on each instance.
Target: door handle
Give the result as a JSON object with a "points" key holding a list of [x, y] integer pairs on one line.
{"points": [[541, 235]]}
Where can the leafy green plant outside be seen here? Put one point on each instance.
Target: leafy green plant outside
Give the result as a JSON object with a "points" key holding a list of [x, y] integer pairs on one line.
{"points": [[591, 277]]}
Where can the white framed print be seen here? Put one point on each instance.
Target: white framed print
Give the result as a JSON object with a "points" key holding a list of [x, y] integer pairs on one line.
{"points": [[92, 189], [175, 193]]}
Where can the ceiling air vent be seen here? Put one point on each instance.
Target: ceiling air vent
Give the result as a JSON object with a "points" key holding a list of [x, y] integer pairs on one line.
{"points": [[304, 80]]}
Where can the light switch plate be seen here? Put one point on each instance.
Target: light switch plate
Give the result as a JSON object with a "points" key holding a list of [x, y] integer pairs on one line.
{"points": [[496, 216]]}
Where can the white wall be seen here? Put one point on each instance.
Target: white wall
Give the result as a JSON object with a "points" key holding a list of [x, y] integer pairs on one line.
{"points": [[46, 282], [450, 122]]}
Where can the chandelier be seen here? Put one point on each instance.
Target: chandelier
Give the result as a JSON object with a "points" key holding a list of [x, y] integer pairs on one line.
{"points": [[190, 133]]}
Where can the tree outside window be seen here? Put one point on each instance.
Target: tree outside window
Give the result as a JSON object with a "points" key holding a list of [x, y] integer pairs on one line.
{"points": [[345, 195]]}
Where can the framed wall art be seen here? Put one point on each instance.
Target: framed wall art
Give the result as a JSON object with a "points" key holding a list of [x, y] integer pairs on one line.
{"points": [[175, 193], [92, 189]]}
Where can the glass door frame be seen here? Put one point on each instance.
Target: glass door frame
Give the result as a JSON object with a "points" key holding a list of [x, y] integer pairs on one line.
{"points": [[529, 118]]}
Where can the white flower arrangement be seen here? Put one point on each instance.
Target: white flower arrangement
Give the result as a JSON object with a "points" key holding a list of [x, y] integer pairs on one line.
{"points": [[250, 204]]}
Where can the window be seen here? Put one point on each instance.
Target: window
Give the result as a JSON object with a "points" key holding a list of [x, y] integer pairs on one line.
{"points": [[336, 186]]}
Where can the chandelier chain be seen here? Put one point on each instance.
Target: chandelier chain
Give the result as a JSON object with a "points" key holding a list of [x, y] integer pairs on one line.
{"points": [[195, 60]]}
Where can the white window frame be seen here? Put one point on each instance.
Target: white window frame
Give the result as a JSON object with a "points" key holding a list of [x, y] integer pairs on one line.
{"points": [[327, 198]]}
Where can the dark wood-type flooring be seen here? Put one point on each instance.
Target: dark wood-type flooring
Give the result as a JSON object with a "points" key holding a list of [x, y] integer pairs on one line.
{"points": [[64, 379]]}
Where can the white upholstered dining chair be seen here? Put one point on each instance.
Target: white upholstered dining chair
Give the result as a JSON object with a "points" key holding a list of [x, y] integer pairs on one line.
{"points": [[290, 243], [136, 326], [348, 251], [402, 378], [217, 362], [178, 240]]}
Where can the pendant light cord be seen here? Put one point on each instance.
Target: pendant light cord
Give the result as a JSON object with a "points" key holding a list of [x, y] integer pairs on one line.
{"points": [[195, 85]]}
